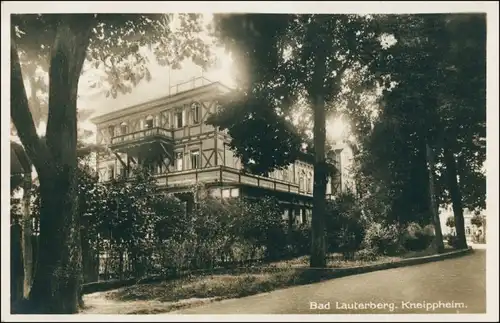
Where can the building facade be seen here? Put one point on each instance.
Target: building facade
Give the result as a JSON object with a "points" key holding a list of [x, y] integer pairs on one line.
{"points": [[170, 137]]}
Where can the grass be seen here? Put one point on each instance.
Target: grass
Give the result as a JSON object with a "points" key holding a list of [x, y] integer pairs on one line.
{"points": [[202, 287], [160, 297]]}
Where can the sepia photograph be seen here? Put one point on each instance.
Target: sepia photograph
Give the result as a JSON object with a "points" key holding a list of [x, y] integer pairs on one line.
{"points": [[222, 160]]}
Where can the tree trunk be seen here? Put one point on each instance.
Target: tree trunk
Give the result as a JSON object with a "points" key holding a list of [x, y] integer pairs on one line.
{"points": [[58, 273], [438, 239], [27, 236], [456, 197], [88, 261], [318, 243], [57, 280], [16, 263]]}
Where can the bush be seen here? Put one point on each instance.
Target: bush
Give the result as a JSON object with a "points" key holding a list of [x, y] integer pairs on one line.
{"points": [[415, 238], [261, 224], [477, 220], [480, 239], [345, 229], [429, 230], [451, 240], [367, 255], [382, 238], [300, 238]]}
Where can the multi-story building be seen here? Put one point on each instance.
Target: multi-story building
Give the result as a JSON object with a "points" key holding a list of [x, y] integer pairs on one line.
{"points": [[169, 135]]}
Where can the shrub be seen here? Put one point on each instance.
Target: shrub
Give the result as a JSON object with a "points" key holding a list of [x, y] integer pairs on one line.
{"points": [[477, 220], [415, 238], [429, 230], [300, 238], [345, 229], [261, 224], [382, 238], [478, 239], [451, 240], [366, 255]]}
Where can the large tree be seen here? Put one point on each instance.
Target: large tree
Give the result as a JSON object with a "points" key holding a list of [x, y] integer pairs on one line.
{"points": [[427, 111], [64, 42], [287, 57]]}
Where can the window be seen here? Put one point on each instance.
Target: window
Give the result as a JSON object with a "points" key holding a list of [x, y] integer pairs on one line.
{"points": [[299, 217], [149, 122], [310, 183], [338, 159], [285, 174], [195, 159], [195, 111], [235, 192], [111, 172], [123, 128], [226, 193], [178, 119], [302, 181], [178, 161], [151, 168], [286, 214], [166, 119], [216, 193], [111, 130], [308, 215], [123, 172]]}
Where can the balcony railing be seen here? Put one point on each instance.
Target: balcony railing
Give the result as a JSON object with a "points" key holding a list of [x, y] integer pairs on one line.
{"points": [[191, 84], [141, 134]]}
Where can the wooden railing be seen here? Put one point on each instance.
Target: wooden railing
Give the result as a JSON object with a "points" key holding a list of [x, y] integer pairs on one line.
{"points": [[145, 133], [193, 83], [224, 174]]}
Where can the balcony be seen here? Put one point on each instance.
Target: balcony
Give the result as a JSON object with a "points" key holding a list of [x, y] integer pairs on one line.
{"points": [[217, 175], [143, 142]]}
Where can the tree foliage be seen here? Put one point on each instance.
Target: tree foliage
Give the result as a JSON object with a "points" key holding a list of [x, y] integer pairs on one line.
{"points": [[427, 103]]}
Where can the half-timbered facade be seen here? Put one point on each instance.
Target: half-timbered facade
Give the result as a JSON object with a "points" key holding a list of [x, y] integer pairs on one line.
{"points": [[170, 136]]}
